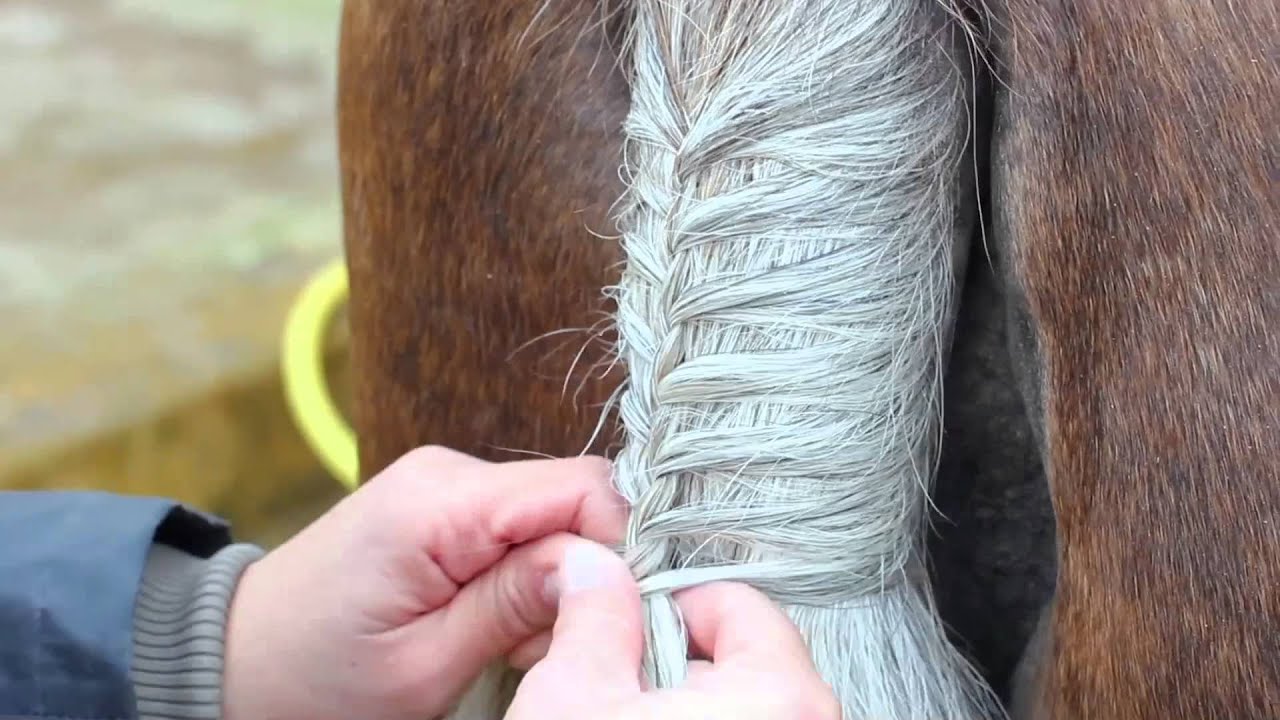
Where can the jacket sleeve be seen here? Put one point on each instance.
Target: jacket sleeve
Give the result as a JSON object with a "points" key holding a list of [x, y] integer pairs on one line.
{"points": [[71, 564], [179, 631]]}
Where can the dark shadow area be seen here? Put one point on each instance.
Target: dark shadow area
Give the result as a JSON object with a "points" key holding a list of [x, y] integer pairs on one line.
{"points": [[992, 545]]}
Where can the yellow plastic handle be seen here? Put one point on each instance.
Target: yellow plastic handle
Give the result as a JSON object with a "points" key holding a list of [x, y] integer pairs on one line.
{"points": [[302, 367]]}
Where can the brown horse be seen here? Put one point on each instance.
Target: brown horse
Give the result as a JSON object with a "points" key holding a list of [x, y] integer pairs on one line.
{"points": [[1123, 336]]}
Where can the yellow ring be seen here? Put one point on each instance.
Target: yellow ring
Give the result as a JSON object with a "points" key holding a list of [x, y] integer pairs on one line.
{"points": [[302, 368]]}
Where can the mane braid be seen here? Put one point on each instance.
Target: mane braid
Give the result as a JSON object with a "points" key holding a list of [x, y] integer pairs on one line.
{"points": [[789, 230], [791, 237]]}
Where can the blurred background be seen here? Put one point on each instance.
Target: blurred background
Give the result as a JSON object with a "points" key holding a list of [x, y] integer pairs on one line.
{"points": [[168, 182]]}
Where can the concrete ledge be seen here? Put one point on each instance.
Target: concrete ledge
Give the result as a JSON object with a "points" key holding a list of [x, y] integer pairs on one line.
{"points": [[223, 442]]}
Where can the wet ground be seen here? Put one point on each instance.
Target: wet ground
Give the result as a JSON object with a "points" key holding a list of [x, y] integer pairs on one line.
{"points": [[167, 180]]}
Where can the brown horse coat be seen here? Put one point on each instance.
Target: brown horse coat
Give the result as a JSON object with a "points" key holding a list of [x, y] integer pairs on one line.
{"points": [[1125, 332]]}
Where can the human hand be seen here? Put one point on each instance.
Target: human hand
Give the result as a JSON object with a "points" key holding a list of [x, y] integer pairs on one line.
{"points": [[389, 605], [754, 664]]}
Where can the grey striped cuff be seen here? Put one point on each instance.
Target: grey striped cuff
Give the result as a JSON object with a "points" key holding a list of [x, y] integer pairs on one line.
{"points": [[179, 622]]}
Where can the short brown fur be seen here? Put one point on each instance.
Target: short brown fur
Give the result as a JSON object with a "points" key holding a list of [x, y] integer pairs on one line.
{"points": [[1136, 169], [479, 148]]}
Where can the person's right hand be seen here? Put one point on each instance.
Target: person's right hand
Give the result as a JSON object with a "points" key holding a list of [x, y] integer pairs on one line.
{"points": [[751, 662]]}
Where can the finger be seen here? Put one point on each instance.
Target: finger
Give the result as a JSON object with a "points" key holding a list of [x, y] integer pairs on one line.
{"points": [[508, 605], [685, 704], [734, 623], [530, 652], [432, 460], [488, 508], [599, 631], [698, 669]]}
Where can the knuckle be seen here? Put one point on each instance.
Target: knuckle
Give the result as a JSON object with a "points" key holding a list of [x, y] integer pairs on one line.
{"points": [[407, 474], [397, 495], [432, 456], [593, 468]]}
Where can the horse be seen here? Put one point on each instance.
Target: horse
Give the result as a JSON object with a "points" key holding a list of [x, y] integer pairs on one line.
{"points": [[1106, 536]]}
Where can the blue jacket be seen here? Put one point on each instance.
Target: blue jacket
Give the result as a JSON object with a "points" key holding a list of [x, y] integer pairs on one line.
{"points": [[71, 565]]}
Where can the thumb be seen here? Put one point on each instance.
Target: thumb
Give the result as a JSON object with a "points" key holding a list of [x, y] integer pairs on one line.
{"points": [[509, 604], [599, 630]]}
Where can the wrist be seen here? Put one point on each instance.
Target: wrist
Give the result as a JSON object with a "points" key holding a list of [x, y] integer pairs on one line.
{"points": [[245, 675], [262, 678]]}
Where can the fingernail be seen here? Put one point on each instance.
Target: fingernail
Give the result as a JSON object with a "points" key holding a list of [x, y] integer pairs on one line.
{"points": [[585, 567]]}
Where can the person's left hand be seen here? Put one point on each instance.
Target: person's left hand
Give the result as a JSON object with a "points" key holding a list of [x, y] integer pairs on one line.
{"points": [[389, 605]]}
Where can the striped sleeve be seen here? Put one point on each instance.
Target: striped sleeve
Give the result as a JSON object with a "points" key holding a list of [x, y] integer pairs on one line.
{"points": [[180, 619]]}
